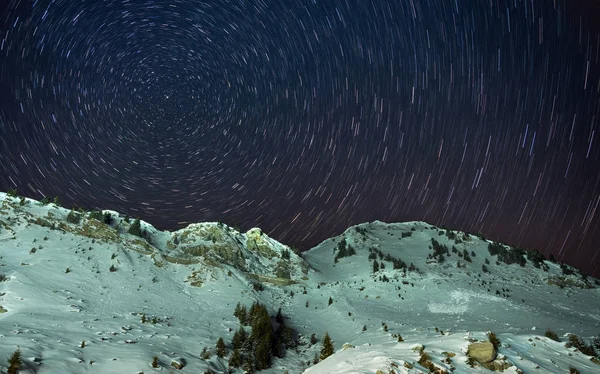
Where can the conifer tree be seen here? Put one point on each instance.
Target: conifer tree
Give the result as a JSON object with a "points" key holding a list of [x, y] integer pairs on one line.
{"points": [[14, 362], [236, 359], [248, 365], [135, 228], [375, 266], [221, 349], [239, 337], [238, 312], [262, 337], [327, 349], [73, 217]]}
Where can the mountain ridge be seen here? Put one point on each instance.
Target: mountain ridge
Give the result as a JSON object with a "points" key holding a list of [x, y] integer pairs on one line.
{"points": [[370, 287]]}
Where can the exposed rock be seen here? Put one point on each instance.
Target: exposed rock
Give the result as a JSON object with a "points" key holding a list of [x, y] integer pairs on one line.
{"points": [[498, 365], [482, 352], [178, 363]]}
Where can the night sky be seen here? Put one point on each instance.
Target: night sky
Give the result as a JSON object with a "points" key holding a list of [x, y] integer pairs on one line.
{"points": [[304, 117]]}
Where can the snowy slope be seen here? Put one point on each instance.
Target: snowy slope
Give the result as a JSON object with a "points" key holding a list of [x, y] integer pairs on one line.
{"points": [[60, 291]]}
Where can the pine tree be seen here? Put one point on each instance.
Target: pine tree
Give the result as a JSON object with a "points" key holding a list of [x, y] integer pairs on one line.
{"points": [[236, 359], [279, 317], [135, 228], [14, 362], [239, 337], [375, 266], [327, 349], [73, 217], [248, 365], [237, 312], [221, 349], [262, 337]]}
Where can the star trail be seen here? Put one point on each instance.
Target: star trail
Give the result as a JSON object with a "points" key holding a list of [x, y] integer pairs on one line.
{"points": [[303, 117]]}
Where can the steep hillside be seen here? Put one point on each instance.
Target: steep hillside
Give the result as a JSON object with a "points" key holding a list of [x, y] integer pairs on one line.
{"points": [[102, 293]]}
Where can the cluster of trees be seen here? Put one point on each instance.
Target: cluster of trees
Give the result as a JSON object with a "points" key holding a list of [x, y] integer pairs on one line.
{"points": [[343, 250], [577, 342], [100, 216], [397, 263], [254, 350], [514, 256], [537, 259], [439, 250], [46, 200]]}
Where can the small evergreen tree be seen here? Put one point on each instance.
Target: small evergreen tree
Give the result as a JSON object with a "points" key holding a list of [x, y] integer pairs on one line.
{"points": [[248, 365], [239, 337], [279, 317], [493, 339], [552, 335], [330, 301], [96, 214], [327, 349], [466, 256], [73, 217], [235, 360], [221, 349], [107, 218], [136, 228], [375, 266], [14, 362]]}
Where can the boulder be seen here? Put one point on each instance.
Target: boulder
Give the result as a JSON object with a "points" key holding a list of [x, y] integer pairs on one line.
{"points": [[482, 352], [178, 363]]}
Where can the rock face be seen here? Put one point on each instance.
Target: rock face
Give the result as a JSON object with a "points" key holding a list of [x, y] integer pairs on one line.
{"points": [[482, 352]]}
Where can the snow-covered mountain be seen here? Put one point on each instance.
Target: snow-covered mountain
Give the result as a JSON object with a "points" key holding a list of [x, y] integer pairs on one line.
{"points": [[99, 292]]}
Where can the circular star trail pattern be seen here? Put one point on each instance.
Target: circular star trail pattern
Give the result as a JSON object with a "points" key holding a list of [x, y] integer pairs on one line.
{"points": [[304, 117]]}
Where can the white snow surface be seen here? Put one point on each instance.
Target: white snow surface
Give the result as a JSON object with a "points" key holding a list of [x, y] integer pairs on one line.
{"points": [[59, 292]]}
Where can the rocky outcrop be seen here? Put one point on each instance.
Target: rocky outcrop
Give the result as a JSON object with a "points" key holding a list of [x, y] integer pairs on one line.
{"points": [[482, 352]]}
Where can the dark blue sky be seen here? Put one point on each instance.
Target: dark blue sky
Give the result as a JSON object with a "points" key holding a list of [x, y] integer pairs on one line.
{"points": [[305, 117]]}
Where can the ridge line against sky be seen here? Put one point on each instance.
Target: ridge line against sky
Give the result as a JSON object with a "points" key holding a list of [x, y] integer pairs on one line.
{"points": [[305, 117]]}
